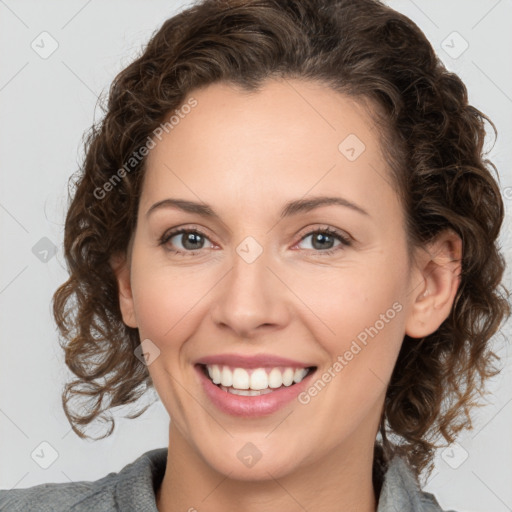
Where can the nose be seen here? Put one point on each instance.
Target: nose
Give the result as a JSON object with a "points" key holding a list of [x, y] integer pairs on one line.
{"points": [[251, 298]]}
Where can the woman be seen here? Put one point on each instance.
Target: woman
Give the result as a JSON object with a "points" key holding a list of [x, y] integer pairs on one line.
{"points": [[248, 135]]}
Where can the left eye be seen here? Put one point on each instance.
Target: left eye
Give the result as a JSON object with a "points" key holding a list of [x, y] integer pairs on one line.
{"points": [[323, 239]]}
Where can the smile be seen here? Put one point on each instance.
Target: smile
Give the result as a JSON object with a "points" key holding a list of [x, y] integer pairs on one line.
{"points": [[254, 381], [252, 391]]}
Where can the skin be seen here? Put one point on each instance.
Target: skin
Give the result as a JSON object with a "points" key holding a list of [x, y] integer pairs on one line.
{"points": [[246, 155]]}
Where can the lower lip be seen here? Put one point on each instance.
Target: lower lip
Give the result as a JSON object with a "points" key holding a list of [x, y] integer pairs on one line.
{"points": [[250, 406]]}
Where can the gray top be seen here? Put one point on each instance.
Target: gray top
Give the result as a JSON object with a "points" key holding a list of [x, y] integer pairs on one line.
{"points": [[133, 488]]}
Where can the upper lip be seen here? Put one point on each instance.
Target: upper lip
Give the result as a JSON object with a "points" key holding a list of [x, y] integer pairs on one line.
{"points": [[255, 361]]}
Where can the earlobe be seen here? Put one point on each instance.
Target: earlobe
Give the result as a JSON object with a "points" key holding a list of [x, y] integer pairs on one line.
{"points": [[121, 269], [439, 276]]}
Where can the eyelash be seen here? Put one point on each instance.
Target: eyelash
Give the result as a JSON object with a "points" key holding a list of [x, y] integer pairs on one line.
{"points": [[345, 242]]}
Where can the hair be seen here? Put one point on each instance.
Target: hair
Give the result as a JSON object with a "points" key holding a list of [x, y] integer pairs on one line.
{"points": [[433, 140]]}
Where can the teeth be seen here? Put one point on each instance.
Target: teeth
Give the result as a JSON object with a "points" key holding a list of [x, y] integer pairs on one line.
{"points": [[259, 379], [240, 379], [226, 377], [275, 378], [256, 380], [215, 375], [288, 377]]}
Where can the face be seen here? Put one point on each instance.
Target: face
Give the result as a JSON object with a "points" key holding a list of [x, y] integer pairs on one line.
{"points": [[328, 287]]}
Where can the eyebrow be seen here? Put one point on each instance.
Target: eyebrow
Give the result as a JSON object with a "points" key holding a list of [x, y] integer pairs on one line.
{"points": [[291, 208]]}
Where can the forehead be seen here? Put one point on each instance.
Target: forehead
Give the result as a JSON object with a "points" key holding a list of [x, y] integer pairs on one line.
{"points": [[248, 150]]}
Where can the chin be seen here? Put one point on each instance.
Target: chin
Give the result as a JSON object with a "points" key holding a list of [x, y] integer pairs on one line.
{"points": [[240, 465]]}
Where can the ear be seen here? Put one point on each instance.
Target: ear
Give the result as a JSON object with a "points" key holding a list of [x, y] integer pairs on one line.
{"points": [[438, 274], [121, 267]]}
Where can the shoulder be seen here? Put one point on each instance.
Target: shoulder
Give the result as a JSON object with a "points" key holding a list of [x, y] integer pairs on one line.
{"points": [[133, 485], [401, 491], [57, 497]]}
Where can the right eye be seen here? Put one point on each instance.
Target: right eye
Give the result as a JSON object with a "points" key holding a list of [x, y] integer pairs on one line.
{"points": [[185, 236]]}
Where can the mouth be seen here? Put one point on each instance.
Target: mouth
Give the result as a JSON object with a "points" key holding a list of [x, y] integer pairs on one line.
{"points": [[251, 382]]}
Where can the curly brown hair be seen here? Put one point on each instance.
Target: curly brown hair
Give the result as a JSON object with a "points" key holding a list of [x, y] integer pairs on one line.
{"points": [[432, 138]]}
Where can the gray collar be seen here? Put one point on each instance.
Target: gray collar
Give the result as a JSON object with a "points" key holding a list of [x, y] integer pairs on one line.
{"points": [[401, 491]]}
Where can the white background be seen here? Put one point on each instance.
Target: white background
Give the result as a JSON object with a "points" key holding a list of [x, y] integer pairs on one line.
{"points": [[46, 106]]}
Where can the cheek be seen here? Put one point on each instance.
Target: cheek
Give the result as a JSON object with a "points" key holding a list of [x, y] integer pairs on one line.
{"points": [[362, 329], [352, 301], [168, 308], [167, 300]]}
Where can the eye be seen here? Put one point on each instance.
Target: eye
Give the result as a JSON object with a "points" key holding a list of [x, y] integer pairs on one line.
{"points": [[192, 242], [323, 238]]}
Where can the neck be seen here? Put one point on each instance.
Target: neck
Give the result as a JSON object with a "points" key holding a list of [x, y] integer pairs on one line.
{"points": [[340, 480]]}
